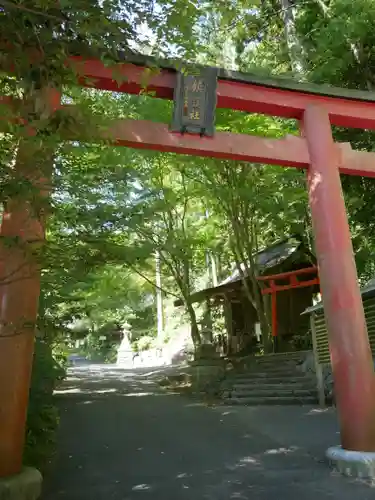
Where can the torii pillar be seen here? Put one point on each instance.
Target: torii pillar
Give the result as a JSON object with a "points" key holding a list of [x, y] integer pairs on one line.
{"points": [[23, 227], [351, 356]]}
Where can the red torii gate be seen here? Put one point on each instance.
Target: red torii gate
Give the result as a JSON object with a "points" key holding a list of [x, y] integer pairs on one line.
{"points": [[294, 281], [315, 151]]}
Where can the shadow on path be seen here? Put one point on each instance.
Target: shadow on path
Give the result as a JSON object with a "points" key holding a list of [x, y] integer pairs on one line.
{"points": [[122, 438]]}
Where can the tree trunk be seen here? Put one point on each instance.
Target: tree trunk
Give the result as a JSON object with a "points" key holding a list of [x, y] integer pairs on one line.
{"points": [[194, 330], [262, 313], [228, 323], [265, 330], [208, 323], [159, 295], [211, 261], [214, 270], [186, 289], [293, 42]]}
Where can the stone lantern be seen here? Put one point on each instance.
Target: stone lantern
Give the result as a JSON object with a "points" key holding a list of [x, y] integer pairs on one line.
{"points": [[125, 352]]}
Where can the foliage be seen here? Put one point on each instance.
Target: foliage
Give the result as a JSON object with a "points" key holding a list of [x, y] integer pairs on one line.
{"points": [[144, 343], [99, 351], [43, 417], [334, 39]]}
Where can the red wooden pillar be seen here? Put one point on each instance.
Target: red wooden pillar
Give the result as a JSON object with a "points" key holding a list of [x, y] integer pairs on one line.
{"points": [[349, 345], [23, 228], [273, 309], [274, 315]]}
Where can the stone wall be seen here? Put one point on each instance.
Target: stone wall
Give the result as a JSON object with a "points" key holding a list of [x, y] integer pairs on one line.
{"points": [[206, 376]]}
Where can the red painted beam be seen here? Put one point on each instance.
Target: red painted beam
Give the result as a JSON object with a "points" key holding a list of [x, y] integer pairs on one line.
{"points": [[139, 134], [127, 77], [354, 162], [281, 288], [292, 104], [289, 151], [297, 272]]}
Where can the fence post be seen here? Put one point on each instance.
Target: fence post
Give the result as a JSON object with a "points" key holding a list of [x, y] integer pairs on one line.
{"points": [[318, 366]]}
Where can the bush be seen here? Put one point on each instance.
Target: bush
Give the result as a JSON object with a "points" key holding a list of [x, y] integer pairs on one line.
{"points": [[99, 351], [43, 416], [144, 343]]}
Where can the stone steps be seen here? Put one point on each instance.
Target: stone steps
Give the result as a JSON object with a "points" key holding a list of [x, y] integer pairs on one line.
{"points": [[285, 386], [269, 365], [276, 362], [265, 392], [272, 379], [278, 375], [280, 357], [273, 383], [270, 400]]}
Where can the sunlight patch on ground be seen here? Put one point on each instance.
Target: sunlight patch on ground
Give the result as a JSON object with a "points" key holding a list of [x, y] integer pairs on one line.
{"points": [[183, 475], [244, 462], [249, 460], [68, 391], [141, 487], [82, 391], [318, 411], [239, 495], [281, 451], [139, 394]]}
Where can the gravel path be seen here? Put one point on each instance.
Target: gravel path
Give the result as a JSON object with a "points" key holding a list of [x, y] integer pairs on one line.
{"points": [[123, 438]]}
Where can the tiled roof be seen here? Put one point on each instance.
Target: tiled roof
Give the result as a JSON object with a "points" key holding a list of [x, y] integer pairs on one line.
{"points": [[268, 258]]}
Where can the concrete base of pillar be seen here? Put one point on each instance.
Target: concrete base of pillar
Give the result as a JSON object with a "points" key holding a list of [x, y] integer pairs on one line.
{"points": [[27, 485], [359, 464]]}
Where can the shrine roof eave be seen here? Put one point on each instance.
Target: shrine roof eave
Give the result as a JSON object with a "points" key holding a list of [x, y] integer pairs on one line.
{"points": [[213, 292]]}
